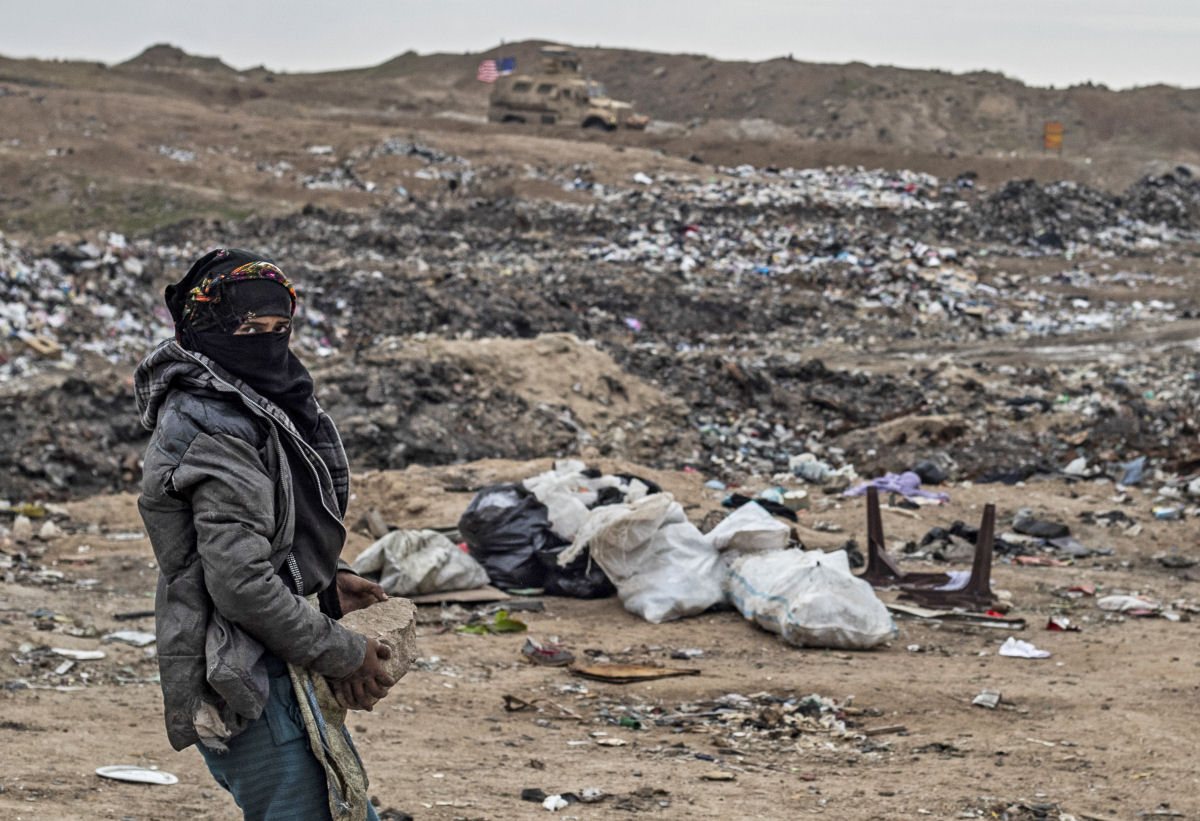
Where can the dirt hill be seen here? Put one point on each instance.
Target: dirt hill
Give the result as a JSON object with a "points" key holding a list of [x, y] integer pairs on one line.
{"points": [[781, 99], [167, 56]]}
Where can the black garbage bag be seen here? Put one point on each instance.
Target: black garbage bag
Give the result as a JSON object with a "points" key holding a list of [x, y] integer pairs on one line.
{"points": [[580, 579], [508, 531], [505, 528]]}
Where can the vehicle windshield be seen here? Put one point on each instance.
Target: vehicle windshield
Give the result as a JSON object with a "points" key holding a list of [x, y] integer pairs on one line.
{"points": [[596, 90]]}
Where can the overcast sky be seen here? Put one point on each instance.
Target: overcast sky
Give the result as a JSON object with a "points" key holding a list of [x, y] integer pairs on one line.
{"points": [[1120, 43]]}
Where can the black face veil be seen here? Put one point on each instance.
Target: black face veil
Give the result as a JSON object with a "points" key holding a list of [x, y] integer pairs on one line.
{"points": [[221, 291]]}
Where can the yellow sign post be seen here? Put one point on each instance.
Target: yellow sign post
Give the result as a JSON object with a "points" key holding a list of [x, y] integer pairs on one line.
{"points": [[1054, 137]]}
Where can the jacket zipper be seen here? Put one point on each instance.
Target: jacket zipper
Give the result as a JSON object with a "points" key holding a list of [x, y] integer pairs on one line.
{"points": [[294, 567]]}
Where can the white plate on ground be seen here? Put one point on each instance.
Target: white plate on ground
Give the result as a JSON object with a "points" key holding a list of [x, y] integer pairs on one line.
{"points": [[140, 775]]}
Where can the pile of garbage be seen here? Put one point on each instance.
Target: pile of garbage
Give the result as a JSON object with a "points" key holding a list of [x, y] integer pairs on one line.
{"points": [[710, 288], [59, 306], [761, 722], [572, 531]]}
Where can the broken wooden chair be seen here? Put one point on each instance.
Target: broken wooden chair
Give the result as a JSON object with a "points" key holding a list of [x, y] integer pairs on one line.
{"points": [[882, 570]]}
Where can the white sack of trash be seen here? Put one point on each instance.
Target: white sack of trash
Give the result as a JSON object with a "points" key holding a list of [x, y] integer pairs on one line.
{"points": [[663, 567], [750, 528], [412, 562], [661, 564], [810, 598]]}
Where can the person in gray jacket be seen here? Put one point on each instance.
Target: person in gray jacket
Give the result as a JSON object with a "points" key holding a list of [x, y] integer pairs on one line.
{"points": [[244, 489]]}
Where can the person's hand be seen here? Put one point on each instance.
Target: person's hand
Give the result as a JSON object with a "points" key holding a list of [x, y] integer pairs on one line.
{"points": [[369, 683], [355, 592]]}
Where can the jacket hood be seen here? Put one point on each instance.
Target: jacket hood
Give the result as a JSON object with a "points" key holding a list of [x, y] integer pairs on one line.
{"points": [[154, 376], [170, 366]]}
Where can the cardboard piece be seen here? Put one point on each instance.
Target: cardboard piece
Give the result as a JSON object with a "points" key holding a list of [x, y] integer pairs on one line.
{"points": [[486, 593], [616, 673]]}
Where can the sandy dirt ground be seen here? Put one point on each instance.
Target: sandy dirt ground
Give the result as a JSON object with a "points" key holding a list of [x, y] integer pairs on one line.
{"points": [[1102, 729]]}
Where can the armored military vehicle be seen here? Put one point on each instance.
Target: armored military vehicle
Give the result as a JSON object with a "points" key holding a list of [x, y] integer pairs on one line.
{"points": [[559, 94]]}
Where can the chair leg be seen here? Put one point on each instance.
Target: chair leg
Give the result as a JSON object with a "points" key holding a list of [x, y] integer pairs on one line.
{"points": [[881, 570], [977, 594]]}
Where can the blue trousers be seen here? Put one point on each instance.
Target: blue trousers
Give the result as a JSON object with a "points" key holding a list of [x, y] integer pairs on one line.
{"points": [[269, 769]]}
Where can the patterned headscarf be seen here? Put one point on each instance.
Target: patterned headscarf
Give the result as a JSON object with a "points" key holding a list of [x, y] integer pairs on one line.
{"points": [[225, 286], [212, 289]]}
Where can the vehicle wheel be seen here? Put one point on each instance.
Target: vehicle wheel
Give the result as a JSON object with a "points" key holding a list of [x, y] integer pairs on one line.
{"points": [[597, 124], [512, 118]]}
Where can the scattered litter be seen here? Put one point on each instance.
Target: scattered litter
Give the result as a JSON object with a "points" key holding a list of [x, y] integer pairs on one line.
{"points": [[546, 655], [1040, 561], [591, 795], [22, 529], [907, 484], [987, 698], [125, 536], [1018, 648], [1041, 529], [140, 775], [1177, 560], [134, 614], [886, 729], [1133, 605], [501, 623], [611, 742], [78, 655], [134, 637], [477, 595], [182, 155], [1062, 623], [554, 803]]}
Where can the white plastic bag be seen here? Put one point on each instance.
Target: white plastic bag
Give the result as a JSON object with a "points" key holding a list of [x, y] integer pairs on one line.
{"points": [[750, 528], [563, 492], [411, 562], [810, 598], [663, 567], [568, 494]]}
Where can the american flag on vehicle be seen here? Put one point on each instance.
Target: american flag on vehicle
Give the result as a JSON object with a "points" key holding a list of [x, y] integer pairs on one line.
{"points": [[489, 70]]}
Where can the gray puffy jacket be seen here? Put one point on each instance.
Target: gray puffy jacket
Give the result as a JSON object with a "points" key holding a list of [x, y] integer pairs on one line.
{"points": [[217, 503]]}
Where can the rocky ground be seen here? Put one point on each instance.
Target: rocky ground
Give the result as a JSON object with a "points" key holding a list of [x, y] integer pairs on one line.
{"points": [[476, 302]]}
